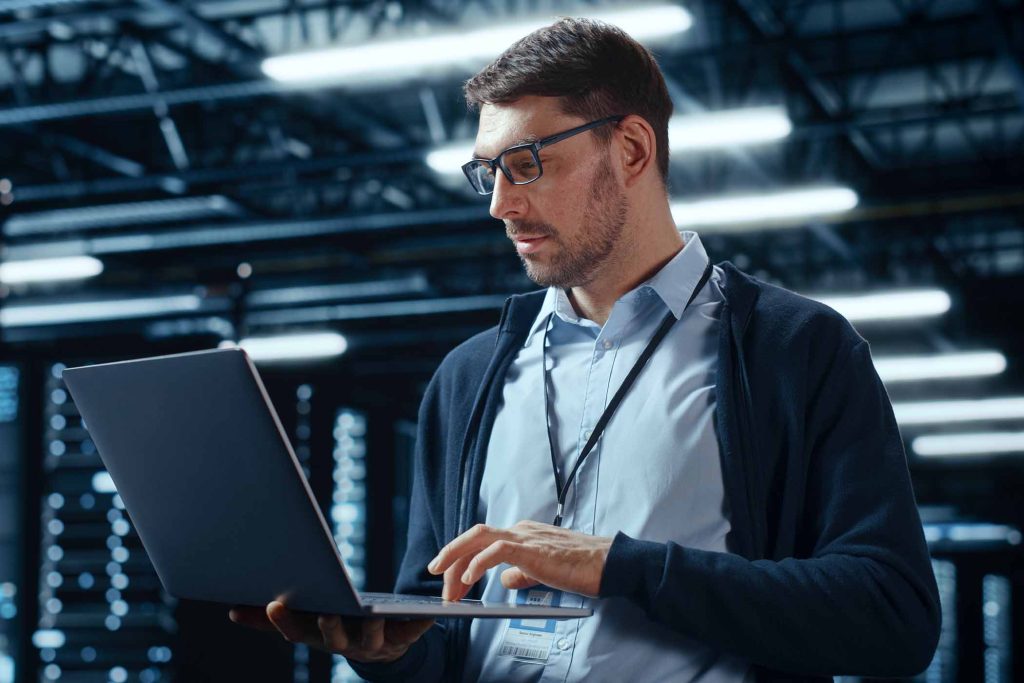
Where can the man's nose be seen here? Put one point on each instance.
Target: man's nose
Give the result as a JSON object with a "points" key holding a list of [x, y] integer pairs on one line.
{"points": [[508, 199]]}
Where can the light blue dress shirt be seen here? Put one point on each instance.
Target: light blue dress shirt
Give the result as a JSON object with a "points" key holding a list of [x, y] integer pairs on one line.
{"points": [[655, 474]]}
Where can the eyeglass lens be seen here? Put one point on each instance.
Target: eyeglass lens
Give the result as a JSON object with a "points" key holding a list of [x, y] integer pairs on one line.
{"points": [[520, 164]]}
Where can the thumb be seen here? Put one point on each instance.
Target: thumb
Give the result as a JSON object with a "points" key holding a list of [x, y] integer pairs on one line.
{"points": [[513, 577]]}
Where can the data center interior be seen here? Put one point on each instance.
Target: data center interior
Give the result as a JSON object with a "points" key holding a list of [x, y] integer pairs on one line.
{"points": [[165, 186]]}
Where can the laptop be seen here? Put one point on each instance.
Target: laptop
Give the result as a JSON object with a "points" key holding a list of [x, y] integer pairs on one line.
{"points": [[217, 496]]}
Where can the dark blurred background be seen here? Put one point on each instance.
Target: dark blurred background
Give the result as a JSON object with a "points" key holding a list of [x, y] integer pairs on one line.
{"points": [[164, 188]]}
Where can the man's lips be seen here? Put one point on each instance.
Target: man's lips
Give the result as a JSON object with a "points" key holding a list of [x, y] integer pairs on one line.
{"points": [[526, 244]]}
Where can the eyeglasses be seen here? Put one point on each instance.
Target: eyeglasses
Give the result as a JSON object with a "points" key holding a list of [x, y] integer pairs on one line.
{"points": [[521, 163]]}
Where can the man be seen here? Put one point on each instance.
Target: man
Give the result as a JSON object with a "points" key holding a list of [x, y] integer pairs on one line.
{"points": [[740, 511]]}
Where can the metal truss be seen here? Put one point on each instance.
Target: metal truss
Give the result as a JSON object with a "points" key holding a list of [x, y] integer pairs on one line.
{"points": [[911, 102]]}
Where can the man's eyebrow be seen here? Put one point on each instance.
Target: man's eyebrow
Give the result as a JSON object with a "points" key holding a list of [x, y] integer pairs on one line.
{"points": [[521, 141]]}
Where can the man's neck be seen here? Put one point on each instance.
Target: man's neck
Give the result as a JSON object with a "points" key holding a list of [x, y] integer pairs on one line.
{"points": [[594, 301]]}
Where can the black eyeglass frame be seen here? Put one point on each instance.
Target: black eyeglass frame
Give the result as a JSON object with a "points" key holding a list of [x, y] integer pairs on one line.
{"points": [[534, 148]]}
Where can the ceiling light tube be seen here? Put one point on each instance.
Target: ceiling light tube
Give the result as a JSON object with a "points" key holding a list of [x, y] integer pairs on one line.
{"points": [[907, 304], [971, 410], [940, 366], [381, 60], [292, 347], [732, 128], [287, 296], [50, 270], [92, 311], [116, 215], [756, 210], [976, 443], [971, 532]]}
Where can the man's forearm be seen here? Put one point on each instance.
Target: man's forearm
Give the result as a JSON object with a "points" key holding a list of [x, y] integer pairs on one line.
{"points": [[837, 614]]}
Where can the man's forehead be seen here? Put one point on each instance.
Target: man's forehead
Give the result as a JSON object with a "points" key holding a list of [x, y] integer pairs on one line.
{"points": [[525, 120]]}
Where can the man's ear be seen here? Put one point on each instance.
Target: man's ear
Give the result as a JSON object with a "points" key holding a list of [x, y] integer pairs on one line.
{"points": [[637, 148]]}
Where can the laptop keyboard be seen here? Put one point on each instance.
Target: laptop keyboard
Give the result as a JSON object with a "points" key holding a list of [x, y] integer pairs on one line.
{"points": [[393, 599]]}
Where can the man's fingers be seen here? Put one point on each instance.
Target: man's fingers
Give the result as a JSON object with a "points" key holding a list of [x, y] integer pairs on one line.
{"points": [[251, 617], [478, 537], [333, 632], [491, 556], [453, 588], [406, 632], [456, 591], [514, 578], [373, 635], [294, 626]]}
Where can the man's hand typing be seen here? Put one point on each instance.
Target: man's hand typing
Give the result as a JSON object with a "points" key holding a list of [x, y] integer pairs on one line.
{"points": [[539, 553]]}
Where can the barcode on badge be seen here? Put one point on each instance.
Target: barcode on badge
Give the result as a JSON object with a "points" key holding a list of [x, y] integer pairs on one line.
{"points": [[523, 652]]}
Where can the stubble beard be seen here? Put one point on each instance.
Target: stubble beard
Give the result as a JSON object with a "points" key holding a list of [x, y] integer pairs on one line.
{"points": [[576, 262]]}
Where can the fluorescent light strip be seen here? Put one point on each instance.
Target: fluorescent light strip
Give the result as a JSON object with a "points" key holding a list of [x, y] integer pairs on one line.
{"points": [[397, 58], [448, 159], [689, 132], [283, 296], [380, 309], [977, 443], [728, 128], [50, 270], [292, 346], [967, 532], [940, 366], [942, 412], [115, 215], [908, 304], [92, 311], [757, 210]]}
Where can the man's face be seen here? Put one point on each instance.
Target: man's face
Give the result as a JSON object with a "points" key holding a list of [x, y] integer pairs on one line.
{"points": [[568, 224]]}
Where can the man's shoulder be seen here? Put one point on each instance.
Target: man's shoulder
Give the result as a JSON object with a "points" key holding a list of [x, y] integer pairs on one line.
{"points": [[783, 317], [471, 357]]}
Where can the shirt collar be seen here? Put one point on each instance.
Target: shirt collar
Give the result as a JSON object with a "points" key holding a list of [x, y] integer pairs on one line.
{"points": [[673, 284]]}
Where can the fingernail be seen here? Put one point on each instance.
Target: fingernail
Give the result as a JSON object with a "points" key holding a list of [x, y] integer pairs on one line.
{"points": [[432, 567], [467, 577]]}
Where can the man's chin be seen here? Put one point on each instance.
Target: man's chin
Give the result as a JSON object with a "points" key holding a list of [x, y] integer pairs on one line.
{"points": [[545, 277]]}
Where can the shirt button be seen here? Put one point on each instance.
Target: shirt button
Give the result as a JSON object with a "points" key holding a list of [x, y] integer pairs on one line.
{"points": [[562, 644], [607, 344], [587, 434]]}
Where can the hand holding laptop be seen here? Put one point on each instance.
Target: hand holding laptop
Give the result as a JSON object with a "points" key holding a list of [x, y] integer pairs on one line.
{"points": [[361, 640]]}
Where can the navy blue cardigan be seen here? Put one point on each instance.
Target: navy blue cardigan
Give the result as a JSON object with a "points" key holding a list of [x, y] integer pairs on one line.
{"points": [[828, 571]]}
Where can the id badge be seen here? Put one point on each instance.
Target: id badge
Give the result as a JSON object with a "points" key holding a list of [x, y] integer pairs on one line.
{"points": [[529, 640]]}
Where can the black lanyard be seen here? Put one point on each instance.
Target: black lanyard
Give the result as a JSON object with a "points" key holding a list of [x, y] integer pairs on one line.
{"points": [[562, 488]]}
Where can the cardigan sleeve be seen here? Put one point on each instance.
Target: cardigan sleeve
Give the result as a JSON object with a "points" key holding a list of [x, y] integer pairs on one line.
{"points": [[864, 602]]}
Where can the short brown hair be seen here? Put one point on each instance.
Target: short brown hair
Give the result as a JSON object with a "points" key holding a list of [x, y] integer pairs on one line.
{"points": [[596, 70]]}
